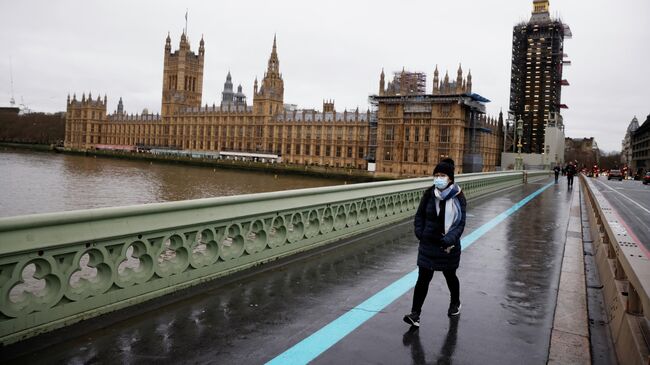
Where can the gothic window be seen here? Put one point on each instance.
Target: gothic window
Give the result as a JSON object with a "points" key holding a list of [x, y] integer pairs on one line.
{"points": [[389, 133], [445, 110], [444, 135], [391, 110], [388, 154]]}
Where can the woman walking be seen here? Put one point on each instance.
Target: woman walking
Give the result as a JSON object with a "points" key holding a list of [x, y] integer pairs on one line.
{"points": [[439, 223]]}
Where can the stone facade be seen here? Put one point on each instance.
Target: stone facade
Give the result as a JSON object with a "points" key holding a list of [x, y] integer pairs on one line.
{"points": [[329, 137], [583, 150], [626, 145], [641, 148], [415, 130]]}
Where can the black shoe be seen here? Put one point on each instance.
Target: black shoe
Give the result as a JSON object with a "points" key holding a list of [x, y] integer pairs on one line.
{"points": [[412, 319], [454, 309]]}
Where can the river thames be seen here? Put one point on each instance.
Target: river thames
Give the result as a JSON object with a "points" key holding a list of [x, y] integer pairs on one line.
{"points": [[40, 182]]}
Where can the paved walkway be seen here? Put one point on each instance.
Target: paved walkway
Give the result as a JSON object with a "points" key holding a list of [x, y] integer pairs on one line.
{"points": [[509, 282]]}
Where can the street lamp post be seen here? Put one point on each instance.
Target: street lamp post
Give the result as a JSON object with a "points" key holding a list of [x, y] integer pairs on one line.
{"points": [[519, 163]]}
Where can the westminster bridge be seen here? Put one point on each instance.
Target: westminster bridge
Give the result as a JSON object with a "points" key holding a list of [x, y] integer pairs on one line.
{"points": [[324, 275]]}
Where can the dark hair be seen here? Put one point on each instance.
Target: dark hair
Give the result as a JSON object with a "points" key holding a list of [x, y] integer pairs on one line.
{"points": [[446, 167]]}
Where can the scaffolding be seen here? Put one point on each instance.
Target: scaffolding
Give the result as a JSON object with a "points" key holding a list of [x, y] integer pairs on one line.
{"points": [[544, 38], [372, 129], [408, 83]]}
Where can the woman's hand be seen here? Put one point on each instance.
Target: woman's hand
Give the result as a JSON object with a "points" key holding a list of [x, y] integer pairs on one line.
{"points": [[448, 249]]}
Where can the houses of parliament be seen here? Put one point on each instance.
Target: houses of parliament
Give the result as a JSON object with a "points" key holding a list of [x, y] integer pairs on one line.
{"points": [[404, 133]]}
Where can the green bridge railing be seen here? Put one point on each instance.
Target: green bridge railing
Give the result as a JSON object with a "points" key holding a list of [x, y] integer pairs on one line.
{"points": [[61, 268]]}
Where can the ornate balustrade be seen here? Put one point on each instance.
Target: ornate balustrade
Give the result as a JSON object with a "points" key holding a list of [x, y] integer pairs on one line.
{"points": [[60, 268]]}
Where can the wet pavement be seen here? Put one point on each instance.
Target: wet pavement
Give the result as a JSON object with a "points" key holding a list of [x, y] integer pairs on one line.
{"points": [[509, 280], [631, 200]]}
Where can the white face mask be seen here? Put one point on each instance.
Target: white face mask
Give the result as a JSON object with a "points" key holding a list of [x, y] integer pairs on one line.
{"points": [[441, 182]]}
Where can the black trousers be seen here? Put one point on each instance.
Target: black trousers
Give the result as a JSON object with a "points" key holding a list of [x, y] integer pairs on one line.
{"points": [[422, 287], [570, 179]]}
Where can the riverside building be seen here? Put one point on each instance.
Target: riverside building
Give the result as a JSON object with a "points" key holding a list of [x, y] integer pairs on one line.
{"points": [[404, 134]]}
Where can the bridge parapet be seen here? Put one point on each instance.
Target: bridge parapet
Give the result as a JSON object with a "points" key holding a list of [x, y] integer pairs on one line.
{"points": [[624, 271], [60, 268]]}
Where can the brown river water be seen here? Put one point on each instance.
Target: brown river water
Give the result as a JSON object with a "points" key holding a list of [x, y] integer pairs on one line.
{"points": [[39, 182]]}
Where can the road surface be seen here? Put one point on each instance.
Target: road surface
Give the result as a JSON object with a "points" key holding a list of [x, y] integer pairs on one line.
{"points": [[631, 200]]}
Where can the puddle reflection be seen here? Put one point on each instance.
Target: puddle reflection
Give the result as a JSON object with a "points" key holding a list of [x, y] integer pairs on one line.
{"points": [[446, 353]]}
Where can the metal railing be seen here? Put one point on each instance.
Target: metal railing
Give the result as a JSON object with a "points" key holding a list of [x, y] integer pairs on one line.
{"points": [[60, 268], [624, 271]]}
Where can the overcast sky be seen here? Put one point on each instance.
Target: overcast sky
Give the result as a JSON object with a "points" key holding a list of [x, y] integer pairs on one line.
{"points": [[327, 49]]}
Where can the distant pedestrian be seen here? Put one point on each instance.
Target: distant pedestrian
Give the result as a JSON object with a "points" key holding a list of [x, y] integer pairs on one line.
{"points": [[570, 173], [439, 223], [557, 170]]}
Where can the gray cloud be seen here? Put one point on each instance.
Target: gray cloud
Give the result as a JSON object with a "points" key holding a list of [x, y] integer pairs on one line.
{"points": [[327, 50]]}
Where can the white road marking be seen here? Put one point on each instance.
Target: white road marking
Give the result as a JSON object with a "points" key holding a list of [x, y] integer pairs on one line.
{"points": [[628, 189], [626, 197]]}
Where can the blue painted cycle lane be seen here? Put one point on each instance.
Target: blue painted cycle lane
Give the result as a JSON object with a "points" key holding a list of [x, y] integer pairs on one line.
{"points": [[508, 287]]}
